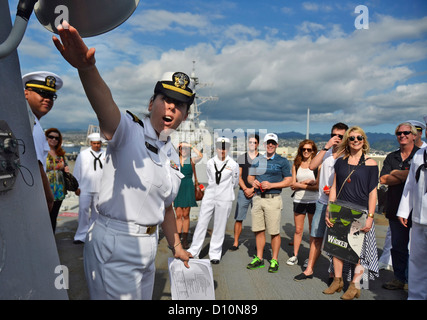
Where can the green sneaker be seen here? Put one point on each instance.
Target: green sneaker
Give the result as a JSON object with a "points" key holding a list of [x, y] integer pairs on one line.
{"points": [[256, 263], [274, 266]]}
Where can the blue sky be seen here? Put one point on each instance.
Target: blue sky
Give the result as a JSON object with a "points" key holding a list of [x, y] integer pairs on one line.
{"points": [[267, 62]]}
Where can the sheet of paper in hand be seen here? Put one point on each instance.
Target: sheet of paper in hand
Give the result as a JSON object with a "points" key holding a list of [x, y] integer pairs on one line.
{"points": [[345, 240], [194, 283]]}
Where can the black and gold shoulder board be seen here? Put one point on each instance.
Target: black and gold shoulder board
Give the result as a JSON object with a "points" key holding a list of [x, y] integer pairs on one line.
{"points": [[135, 118]]}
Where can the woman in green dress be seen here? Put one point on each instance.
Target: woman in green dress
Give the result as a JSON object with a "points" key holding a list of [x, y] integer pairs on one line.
{"points": [[186, 197]]}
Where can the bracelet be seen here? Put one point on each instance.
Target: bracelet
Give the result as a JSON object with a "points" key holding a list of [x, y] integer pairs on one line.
{"points": [[371, 215], [173, 248]]}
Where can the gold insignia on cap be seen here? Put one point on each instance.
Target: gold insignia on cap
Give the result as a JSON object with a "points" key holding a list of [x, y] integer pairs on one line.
{"points": [[50, 81], [181, 80]]}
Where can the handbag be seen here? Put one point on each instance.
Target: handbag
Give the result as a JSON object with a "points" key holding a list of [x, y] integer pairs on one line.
{"points": [[198, 192], [71, 183]]}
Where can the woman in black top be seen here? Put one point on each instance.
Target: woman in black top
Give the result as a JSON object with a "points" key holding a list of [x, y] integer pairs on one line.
{"points": [[355, 181]]}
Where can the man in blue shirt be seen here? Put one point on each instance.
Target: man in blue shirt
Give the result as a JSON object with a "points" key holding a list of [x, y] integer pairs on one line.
{"points": [[269, 176]]}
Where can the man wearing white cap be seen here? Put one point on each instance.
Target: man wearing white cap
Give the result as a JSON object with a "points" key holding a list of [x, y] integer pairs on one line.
{"points": [[269, 176], [420, 127], [223, 177], [40, 92], [88, 172], [414, 199]]}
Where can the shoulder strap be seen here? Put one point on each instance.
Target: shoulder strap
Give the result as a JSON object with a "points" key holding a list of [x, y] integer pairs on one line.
{"points": [[135, 118], [193, 165]]}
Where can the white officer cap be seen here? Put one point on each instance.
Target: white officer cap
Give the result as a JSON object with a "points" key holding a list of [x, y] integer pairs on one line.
{"points": [[271, 136], [417, 124], [45, 80]]}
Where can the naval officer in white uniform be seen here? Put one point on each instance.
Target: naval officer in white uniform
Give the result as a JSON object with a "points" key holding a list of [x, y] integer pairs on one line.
{"points": [[88, 171], [40, 92], [414, 199], [140, 180], [223, 177]]}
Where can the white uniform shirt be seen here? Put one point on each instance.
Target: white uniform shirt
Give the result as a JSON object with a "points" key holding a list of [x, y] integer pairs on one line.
{"points": [[326, 175], [40, 143], [89, 179], [414, 195], [229, 179], [138, 184]]}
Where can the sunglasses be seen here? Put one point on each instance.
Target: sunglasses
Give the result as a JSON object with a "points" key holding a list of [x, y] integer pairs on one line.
{"points": [[352, 138], [338, 135], [406, 133], [44, 94], [53, 138], [306, 149]]}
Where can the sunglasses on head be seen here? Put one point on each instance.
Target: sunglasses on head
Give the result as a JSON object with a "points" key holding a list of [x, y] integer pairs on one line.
{"points": [[53, 137], [306, 149], [398, 133], [352, 138], [44, 94], [338, 135]]}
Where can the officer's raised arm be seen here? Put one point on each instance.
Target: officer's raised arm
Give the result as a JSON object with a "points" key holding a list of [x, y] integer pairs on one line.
{"points": [[77, 54]]}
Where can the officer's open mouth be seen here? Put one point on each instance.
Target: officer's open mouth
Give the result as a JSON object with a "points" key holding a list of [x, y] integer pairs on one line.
{"points": [[167, 119]]}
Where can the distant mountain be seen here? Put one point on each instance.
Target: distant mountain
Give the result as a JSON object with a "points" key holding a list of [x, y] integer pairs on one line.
{"points": [[385, 142]]}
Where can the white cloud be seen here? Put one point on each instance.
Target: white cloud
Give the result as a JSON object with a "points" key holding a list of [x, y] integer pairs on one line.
{"points": [[339, 76]]}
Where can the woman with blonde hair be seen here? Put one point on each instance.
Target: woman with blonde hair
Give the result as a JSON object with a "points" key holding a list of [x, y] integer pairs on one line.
{"points": [[355, 181], [305, 183]]}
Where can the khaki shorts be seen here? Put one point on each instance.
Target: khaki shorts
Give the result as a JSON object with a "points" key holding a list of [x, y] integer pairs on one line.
{"points": [[267, 214]]}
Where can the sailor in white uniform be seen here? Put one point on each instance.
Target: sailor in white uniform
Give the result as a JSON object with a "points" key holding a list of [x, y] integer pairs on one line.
{"points": [[140, 180], [223, 177], [40, 92], [414, 198], [88, 171]]}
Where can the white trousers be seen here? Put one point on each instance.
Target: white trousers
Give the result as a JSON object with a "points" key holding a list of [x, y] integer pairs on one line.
{"points": [[221, 211], [88, 213], [119, 261], [417, 270]]}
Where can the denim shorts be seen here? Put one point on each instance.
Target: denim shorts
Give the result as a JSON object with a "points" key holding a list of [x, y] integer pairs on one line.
{"points": [[318, 225], [242, 206]]}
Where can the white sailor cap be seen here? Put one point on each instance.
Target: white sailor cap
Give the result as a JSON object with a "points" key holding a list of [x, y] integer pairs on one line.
{"points": [[94, 137], [417, 124], [271, 136], [45, 80]]}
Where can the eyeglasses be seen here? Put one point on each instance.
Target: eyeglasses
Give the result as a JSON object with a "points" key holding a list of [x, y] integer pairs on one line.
{"points": [[399, 133], [252, 142], [306, 149], [44, 94], [53, 137], [352, 138], [338, 135]]}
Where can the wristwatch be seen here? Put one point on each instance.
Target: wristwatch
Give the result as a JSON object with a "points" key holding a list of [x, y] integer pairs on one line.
{"points": [[325, 149]]}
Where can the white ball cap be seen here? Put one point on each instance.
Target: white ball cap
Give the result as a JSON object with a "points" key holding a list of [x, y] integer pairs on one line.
{"points": [[223, 140], [271, 136]]}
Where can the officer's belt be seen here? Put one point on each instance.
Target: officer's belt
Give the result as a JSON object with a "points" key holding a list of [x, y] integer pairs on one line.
{"points": [[128, 227]]}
